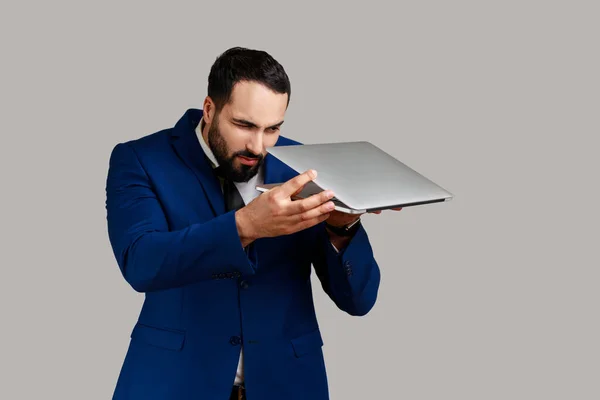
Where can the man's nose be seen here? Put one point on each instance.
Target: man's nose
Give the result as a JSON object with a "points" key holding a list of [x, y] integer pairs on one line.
{"points": [[255, 146]]}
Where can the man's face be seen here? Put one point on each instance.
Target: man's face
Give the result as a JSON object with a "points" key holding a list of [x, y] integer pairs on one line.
{"points": [[239, 134]]}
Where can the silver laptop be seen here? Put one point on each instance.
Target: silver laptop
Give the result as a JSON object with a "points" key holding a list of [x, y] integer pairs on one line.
{"points": [[363, 177]]}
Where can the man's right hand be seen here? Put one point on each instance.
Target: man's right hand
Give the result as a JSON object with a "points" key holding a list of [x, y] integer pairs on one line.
{"points": [[274, 213]]}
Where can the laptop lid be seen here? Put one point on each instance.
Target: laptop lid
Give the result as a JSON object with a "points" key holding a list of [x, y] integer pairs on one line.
{"points": [[361, 175]]}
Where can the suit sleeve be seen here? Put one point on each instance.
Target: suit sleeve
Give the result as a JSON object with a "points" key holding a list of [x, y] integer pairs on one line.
{"points": [[351, 277], [150, 256]]}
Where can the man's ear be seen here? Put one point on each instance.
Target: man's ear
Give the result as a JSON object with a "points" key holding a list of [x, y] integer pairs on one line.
{"points": [[208, 110]]}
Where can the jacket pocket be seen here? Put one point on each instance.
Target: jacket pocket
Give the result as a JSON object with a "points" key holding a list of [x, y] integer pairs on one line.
{"points": [[165, 338], [306, 343]]}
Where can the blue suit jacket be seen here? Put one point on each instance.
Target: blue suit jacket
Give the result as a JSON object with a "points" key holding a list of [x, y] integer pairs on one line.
{"points": [[205, 296]]}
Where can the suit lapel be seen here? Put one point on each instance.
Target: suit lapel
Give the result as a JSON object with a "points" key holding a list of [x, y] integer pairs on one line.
{"points": [[186, 145]]}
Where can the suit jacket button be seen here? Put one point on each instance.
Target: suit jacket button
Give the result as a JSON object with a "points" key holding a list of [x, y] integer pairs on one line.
{"points": [[348, 268], [221, 275], [235, 340], [244, 284]]}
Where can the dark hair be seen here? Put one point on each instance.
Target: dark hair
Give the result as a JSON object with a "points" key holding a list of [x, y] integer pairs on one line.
{"points": [[241, 64]]}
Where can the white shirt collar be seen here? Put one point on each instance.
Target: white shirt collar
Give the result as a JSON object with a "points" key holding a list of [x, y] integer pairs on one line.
{"points": [[205, 146]]}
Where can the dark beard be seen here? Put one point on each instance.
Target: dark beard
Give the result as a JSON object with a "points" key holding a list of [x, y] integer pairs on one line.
{"points": [[219, 148]]}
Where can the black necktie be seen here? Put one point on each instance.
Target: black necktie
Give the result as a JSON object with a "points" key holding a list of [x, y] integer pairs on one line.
{"points": [[233, 198]]}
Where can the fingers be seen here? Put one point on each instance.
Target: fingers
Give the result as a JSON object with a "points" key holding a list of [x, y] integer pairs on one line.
{"points": [[314, 212], [310, 222], [296, 183], [309, 203]]}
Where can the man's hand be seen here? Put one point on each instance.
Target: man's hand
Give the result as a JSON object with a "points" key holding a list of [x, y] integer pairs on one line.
{"points": [[274, 213]]}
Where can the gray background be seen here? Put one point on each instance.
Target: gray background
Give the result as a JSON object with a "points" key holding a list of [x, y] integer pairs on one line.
{"points": [[491, 296]]}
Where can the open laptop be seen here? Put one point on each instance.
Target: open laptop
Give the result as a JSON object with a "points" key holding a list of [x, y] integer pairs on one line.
{"points": [[363, 177]]}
